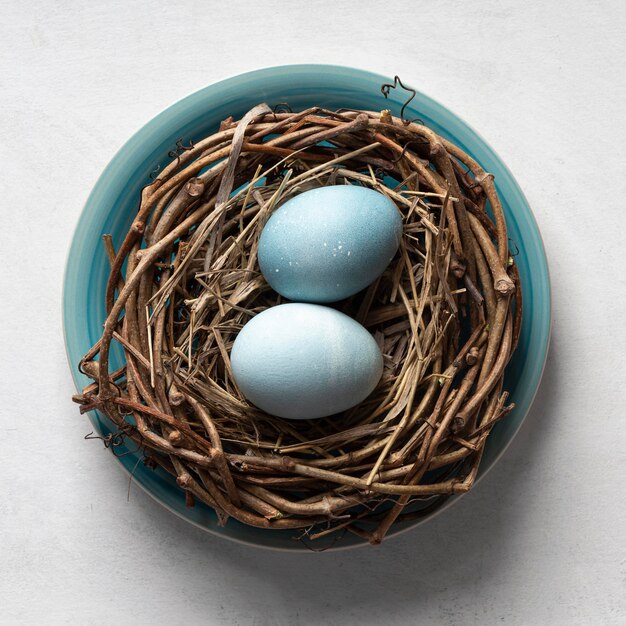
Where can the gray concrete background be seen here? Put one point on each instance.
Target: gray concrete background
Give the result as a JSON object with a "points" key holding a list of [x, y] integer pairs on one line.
{"points": [[542, 539]]}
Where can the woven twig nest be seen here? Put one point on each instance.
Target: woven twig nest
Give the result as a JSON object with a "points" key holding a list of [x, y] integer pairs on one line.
{"points": [[446, 314]]}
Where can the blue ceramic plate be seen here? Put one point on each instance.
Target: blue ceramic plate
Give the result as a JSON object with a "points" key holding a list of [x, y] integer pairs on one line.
{"points": [[114, 202]]}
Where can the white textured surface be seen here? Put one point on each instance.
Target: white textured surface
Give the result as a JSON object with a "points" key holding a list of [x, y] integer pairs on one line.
{"points": [[542, 539]]}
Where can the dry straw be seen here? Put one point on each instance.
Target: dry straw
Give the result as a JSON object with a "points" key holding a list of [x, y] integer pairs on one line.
{"points": [[446, 314]]}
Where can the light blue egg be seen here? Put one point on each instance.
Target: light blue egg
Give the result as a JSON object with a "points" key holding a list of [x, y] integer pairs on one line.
{"points": [[302, 361], [326, 244]]}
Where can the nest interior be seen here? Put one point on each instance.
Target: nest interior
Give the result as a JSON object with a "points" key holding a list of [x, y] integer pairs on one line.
{"points": [[446, 314]]}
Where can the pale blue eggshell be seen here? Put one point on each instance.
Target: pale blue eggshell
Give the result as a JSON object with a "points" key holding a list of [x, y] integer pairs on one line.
{"points": [[326, 244], [302, 361]]}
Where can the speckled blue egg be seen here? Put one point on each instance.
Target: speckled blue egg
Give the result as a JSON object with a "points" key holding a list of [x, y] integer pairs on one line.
{"points": [[302, 361], [326, 244]]}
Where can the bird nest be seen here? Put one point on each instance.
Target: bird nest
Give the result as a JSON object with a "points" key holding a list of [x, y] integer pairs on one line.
{"points": [[446, 314]]}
